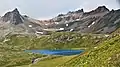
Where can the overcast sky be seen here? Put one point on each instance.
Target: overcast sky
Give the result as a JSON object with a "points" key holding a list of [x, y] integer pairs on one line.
{"points": [[48, 8]]}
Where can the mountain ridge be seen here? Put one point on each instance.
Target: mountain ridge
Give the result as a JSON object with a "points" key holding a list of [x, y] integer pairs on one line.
{"points": [[13, 17], [100, 20], [88, 22], [15, 23]]}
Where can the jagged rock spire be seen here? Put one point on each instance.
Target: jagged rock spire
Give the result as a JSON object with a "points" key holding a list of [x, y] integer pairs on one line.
{"points": [[15, 11], [79, 11], [102, 8], [13, 17]]}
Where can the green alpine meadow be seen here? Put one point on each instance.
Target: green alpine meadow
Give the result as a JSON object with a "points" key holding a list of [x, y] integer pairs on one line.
{"points": [[77, 38]]}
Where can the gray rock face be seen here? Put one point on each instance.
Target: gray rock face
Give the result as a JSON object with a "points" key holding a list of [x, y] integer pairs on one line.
{"points": [[69, 16], [13, 22], [110, 21], [13, 17], [100, 20], [100, 9]]}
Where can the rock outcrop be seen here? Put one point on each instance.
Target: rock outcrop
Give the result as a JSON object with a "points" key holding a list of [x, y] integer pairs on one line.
{"points": [[100, 20], [15, 23], [13, 17]]}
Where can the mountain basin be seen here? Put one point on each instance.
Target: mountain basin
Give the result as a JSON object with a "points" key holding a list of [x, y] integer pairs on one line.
{"points": [[56, 52]]}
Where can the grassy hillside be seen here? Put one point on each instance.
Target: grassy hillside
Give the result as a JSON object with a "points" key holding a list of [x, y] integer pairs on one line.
{"points": [[61, 40], [53, 62], [107, 54], [12, 46], [11, 56]]}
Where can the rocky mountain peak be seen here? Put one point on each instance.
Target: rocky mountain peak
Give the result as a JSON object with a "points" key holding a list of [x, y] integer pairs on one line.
{"points": [[79, 11], [15, 11], [100, 9], [13, 17]]}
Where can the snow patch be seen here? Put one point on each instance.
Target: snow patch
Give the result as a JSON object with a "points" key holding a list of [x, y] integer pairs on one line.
{"points": [[56, 22], [71, 30], [67, 25], [30, 26], [77, 19], [61, 29], [37, 32], [46, 24], [91, 24]]}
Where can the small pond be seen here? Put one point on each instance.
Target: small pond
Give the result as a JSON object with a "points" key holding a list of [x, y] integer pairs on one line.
{"points": [[56, 52]]}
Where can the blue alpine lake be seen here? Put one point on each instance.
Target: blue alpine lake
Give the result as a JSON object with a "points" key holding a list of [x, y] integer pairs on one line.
{"points": [[56, 52]]}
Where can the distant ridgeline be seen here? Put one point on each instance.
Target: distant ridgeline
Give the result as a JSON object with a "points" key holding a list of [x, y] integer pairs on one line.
{"points": [[100, 20]]}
